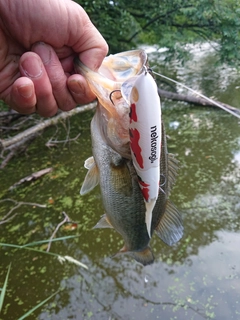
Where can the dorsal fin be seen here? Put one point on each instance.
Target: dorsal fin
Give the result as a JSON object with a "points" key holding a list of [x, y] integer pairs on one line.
{"points": [[172, 171], [170, 228], [92, 177]]}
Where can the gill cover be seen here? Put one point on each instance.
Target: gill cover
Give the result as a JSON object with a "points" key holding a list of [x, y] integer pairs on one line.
{"points": [[145, 136]]}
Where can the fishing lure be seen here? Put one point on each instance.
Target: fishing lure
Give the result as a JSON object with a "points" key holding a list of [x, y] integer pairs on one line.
{"points": [[145, 136]]}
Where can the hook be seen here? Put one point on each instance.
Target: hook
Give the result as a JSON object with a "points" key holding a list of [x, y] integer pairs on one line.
{"points": [[110, 96]]}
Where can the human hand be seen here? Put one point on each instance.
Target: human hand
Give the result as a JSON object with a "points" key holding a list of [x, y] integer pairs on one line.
{"points": [[38, 42]]}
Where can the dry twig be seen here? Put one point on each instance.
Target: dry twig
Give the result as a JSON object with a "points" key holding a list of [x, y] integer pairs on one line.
{"points": [[9, 217], [33, 176], [52, 143], [66, 219]]}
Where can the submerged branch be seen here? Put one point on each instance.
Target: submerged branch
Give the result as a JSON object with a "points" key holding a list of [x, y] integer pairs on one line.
{"points": [[8, 215], [66, 219], [52, 143], [31, 177]]}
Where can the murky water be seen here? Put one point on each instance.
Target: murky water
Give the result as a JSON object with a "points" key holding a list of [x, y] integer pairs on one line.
{"points": [[199, 278]]}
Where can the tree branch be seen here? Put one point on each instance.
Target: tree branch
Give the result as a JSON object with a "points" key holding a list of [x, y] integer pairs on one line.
{"points": [[20, 142], [28, 133], [160, 16]]}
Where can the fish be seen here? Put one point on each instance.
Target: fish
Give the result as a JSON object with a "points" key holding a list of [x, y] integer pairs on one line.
{"points": [[127, 73], [112, 165]]}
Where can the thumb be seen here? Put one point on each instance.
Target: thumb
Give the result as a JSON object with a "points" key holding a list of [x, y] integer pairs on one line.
{"points": [[90, 44]]}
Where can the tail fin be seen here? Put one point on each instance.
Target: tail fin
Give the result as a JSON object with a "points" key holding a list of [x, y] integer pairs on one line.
{"points": [[145, 256]]}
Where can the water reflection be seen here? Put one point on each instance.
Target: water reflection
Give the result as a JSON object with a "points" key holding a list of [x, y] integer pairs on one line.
{"points": [[198, 278], [117, 290]]}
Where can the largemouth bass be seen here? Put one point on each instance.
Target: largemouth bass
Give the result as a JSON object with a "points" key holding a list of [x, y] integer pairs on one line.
{"points": [[128, 118], [112, 163]]}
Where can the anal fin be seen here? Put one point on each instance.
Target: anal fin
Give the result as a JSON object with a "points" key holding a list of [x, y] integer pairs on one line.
{"points": [[103, 223], [148, 215]]}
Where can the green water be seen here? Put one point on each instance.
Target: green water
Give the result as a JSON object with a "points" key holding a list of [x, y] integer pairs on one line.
{"points": [[199, 278]]}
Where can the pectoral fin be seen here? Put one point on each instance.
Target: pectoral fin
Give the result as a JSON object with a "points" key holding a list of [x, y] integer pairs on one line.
{"points": [[170, 228], [103, 223], [92, 177]]}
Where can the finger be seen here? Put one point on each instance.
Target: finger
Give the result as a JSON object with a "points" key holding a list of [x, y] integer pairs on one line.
{"points": [[94, 48], [77, 84], [31, 66], [90, 44], [80, 89], [56, 75], [23, 98]]}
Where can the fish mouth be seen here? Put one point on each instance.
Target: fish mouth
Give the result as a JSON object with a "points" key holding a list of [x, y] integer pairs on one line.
{"points": [[99, 84], [115, 68], [106, 83]]}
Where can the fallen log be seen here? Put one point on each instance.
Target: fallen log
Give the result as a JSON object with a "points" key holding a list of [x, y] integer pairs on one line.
{"points": [[23, 137], [194, 100]]}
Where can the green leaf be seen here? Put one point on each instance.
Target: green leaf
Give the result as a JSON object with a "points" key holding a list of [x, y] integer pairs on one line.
{"points": [[60, 258], [37, 306], [3, 292]]}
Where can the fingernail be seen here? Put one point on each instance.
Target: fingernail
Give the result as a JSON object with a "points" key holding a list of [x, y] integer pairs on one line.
{"points": [[76, 88], [32, 67], [25, 91]]}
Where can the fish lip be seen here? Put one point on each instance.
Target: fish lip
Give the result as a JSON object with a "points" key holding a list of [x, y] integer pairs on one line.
{"points": [[79, 67]]}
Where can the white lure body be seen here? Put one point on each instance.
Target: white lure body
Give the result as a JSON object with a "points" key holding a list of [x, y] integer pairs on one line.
{"points": [[145, 136]]}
